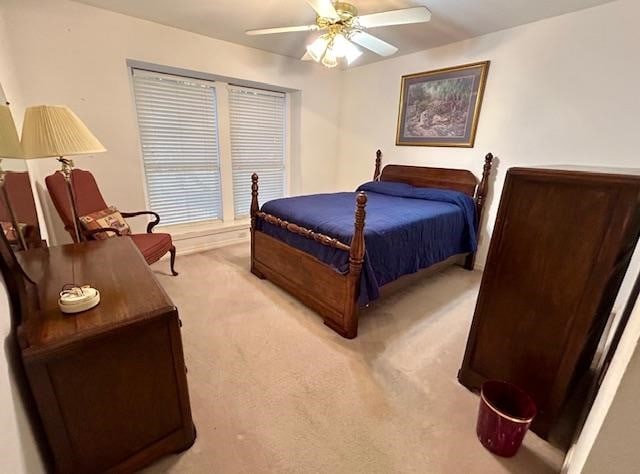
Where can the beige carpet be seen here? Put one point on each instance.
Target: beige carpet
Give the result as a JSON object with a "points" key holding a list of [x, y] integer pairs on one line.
{"points": [[274, 390]]}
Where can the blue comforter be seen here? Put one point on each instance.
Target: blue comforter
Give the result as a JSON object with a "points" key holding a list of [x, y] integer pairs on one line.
{"points": [[406, 229]]}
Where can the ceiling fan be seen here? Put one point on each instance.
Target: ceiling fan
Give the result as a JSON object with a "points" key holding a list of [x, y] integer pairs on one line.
{"points": [[343, 27]]}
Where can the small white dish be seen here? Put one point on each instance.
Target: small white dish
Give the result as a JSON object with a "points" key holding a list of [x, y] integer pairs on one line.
{"points": [[78, 299]]}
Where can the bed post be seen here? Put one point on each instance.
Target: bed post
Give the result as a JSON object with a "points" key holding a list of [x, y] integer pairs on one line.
{"points": [[254, 209], [376, 173], [356, 259], [481, 196]]}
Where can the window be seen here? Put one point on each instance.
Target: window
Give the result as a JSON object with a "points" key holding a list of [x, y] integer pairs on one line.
{"points": [[178, 125], [201, 141], [257, 126]]}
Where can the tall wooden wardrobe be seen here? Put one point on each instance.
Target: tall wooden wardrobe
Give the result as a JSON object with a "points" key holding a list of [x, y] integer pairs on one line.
{"points": [[562, 241]]}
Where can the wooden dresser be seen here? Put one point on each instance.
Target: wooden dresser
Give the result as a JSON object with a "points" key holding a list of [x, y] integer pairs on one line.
{"points": [[562, 242], [110, 383]]}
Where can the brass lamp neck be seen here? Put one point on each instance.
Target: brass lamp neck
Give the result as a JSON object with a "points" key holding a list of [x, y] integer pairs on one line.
{"points": [[67, 166]]}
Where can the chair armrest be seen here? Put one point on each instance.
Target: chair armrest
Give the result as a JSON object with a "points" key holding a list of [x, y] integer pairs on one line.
{"points": [[91, 233], [150, 225]]}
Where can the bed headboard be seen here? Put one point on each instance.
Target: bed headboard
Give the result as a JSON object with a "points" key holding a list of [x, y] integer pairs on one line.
{"points": [[445, 178], [427, 177]]}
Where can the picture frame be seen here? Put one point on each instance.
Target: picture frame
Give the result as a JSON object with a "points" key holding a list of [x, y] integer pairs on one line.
{"points": [[442, 107]]}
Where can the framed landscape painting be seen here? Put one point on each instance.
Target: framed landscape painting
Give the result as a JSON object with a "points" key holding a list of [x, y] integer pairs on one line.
{"points": [[441, 108]]}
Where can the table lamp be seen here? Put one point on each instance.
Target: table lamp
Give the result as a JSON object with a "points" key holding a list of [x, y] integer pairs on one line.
{"points": [[9, 148], [55, 131]]}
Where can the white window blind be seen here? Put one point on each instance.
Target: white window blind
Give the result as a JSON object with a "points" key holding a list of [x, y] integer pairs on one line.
{"points": [[178, 125], [257, 121]]}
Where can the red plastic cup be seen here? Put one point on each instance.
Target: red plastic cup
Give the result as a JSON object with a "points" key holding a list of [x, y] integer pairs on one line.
{"points": [[504, 417]]}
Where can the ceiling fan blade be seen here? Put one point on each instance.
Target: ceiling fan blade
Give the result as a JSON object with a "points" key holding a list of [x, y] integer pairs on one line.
{"points": [[324, 9], [306, 57], [284, 29], [396, 17], [374, 44]]}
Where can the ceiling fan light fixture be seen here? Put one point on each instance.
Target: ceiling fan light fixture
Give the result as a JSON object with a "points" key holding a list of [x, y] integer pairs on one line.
{"points": [[353, 54], [318, 48], [342, 25], [330, 60], [344, 48], [339, 45]]}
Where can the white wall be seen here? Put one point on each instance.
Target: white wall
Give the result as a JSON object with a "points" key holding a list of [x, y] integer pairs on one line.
{"points": [[562, 90], [623, 369], [74, 54], [613, 447], [8, 73], [11, 92], [18, 452], [9, 87]]}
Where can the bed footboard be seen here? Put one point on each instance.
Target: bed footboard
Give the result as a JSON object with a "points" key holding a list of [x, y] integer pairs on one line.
{"points": [[318, 285]]}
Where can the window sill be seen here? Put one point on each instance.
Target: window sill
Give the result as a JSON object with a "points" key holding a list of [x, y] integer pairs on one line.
{"points": [[201, 229], [203, 236]]}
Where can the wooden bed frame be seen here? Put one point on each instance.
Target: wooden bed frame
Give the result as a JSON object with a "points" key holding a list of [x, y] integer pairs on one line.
{"points": [[332, 294]]}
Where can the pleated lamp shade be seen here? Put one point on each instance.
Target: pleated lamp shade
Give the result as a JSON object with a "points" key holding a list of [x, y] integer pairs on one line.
{"points": [[54, 130], [9, 143]]}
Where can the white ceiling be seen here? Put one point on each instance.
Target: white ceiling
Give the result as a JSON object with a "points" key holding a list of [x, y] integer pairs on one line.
{"points": [[452, 20]]}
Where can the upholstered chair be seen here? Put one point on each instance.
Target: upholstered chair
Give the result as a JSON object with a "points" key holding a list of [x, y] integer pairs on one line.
{"points": [[88, 199], [17, 186]]}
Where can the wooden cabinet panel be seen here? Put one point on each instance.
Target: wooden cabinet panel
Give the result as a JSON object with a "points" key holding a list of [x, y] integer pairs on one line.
{"points": [[112, 408], [561, 243], [109, 383]]}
